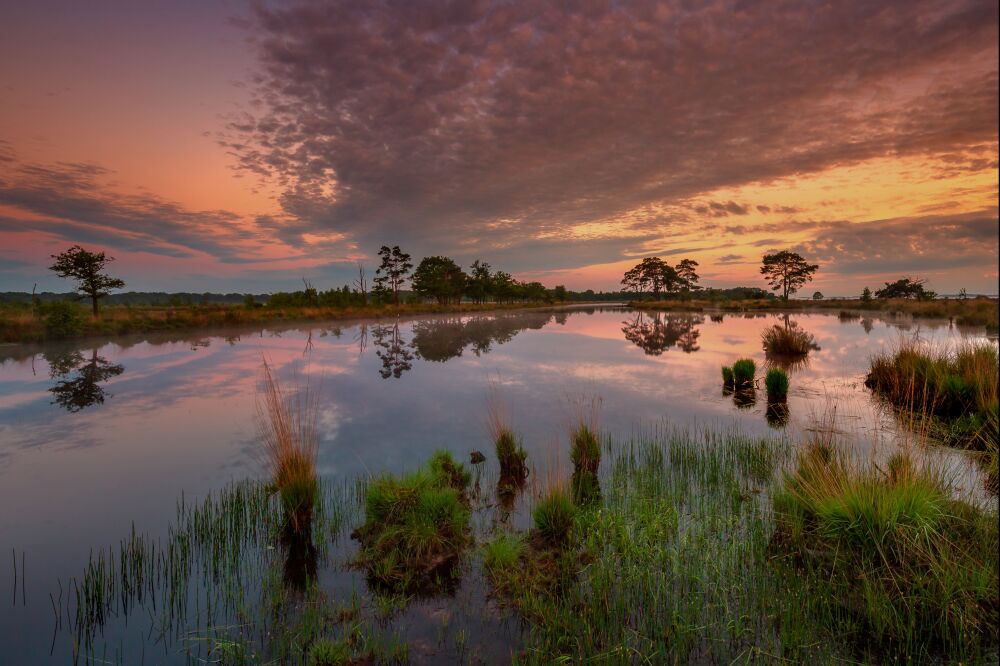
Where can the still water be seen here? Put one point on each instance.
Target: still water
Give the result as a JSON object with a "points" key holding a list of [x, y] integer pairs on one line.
{"points": [[98, 436]]}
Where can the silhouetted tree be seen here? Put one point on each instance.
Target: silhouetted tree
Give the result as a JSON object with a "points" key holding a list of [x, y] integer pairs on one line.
{"points": [[787, 271], [480, 281], [866, 295], [393, 271], [905, 288], [87, 268], [559, 293], [687, 275], [439, 278]]}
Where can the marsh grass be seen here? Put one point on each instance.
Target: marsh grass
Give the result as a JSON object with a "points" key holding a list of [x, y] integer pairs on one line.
{"points": [[744, 371], [728, 379], [287, 429], [910, 568], [955, 386], [788, 341], [416, 525], [776, 383]]}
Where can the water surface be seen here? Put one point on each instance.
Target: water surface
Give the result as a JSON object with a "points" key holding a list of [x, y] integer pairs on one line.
{"points": [[96, 436]]}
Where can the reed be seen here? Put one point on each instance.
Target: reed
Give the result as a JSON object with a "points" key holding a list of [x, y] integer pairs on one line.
{"points": [[287, 430], [744, 371]]}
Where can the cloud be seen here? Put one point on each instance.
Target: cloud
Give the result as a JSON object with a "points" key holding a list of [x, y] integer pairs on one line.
{"points": [[425, 123], [913, 245], [76, 201]]}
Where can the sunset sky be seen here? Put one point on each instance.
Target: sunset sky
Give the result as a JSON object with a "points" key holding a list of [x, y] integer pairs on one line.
{"points": [[229, 146]]}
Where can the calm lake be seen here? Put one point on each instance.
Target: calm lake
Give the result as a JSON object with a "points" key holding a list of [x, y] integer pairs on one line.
{"points": [[96, 437]]}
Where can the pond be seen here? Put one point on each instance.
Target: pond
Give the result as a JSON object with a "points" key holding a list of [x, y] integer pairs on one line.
{"points": [[100, 438]]}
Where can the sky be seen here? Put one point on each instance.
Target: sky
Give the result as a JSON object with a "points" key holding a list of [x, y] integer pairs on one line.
{"points": [[222, 145]]}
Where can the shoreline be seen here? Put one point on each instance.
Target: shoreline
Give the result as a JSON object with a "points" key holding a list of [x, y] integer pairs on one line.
{"points": [[21, 329]]}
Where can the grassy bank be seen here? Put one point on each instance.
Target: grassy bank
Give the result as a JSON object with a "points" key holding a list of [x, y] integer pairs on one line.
{"points": [[20, 324], [950, 391], [967, 312]]}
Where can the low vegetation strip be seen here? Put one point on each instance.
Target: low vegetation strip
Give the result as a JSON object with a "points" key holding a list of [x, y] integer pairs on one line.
{"points": [[62, 320]]}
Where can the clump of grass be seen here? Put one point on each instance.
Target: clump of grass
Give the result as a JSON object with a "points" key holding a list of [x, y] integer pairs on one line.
{"points": [[287, 429], [776, 382], [744, 371], [502, 556], [330, 653], [554, 516], [728, 379], [415, 525], [956, 387], [788, 341], [916, 568], [585, 449], [511, 455]]}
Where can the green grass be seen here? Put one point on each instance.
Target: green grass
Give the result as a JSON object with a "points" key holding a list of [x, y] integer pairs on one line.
{"points": [[554, 515], [744, 371], [416, 525], [511, 455], [728, 379], [909, 566], [776, 382], [330, 653], [585, 449], [956, 387]]}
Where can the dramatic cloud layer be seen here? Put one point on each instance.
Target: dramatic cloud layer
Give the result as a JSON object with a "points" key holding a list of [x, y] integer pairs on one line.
{"points": [[560, 141], [437, 122]]}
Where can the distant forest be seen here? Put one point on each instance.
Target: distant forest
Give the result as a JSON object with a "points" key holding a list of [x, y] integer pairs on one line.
{"points": [[178, 299]]}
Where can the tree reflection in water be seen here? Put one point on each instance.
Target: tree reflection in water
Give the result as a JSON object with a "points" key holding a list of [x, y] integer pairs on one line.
{"points": [[656, 333], [80, 379], [445, 338], [392, 350]]}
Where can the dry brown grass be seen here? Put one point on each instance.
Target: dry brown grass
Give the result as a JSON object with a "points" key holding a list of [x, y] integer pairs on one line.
{"points": [[287, 429]]}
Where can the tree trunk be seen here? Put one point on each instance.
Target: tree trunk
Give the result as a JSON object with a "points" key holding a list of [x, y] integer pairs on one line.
{"points": [[94, 299]]}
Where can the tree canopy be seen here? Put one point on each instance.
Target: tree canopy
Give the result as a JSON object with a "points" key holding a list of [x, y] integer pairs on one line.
{"points": [[393, 271], [440, 278], [787, 271], [905, 288], [87, 268]]}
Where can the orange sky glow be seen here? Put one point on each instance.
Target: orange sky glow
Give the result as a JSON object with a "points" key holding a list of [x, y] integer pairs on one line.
{"points": [[231, 147]]}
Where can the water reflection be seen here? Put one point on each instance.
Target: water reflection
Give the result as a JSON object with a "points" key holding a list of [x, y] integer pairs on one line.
{"points": [[392, 350], [79, 384], [443, 339], [655, 333]]}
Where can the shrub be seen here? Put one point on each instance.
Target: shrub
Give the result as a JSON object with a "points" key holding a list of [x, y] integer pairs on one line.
{"points": [[918, 567], [554, 516], [585, 449], [744, 371], [787, 341], [63, 319], [776, 382]]}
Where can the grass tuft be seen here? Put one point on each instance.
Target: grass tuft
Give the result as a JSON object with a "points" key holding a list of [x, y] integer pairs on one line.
{"points": [[916, 568], [776, 383], [744, 371], [287, 429], [554, 516], [787, 341]]}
